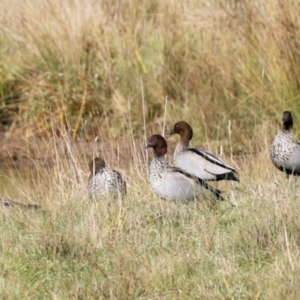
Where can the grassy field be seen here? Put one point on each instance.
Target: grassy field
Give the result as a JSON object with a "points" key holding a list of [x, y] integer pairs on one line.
{"points": [[123, 70], [145, 248]]}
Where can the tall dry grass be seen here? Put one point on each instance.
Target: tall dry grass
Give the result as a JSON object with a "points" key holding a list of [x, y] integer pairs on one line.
{"points": [[84, 61], [246, 247]]}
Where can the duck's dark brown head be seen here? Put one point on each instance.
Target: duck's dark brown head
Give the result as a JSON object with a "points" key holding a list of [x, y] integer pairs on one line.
{"points": [[159, 145], [184, 130], [96, 164], [287, 120]]}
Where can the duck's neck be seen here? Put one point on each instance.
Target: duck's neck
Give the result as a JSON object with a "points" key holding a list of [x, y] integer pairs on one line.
{"points": [[286, 130], [181, 146], [158, 164], [286, 134]]}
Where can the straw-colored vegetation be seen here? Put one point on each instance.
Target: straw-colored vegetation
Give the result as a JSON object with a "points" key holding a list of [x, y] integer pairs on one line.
{"points": [[122, 70]]}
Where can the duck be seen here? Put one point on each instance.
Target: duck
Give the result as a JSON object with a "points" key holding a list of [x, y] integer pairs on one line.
{"points": [[12, 203], [285, 152], [197, 161], [104, 181], [172, 183]]}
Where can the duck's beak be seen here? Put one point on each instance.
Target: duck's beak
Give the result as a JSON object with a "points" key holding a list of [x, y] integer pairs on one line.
{"points": [[149, 145]]}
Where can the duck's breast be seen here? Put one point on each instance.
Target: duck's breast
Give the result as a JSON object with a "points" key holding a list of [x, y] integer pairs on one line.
{"points": [[293, 163], [179, 187]]}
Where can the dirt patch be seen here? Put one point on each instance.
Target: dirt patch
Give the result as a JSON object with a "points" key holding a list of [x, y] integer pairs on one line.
{"points": [[45, 152], [22, 153]]}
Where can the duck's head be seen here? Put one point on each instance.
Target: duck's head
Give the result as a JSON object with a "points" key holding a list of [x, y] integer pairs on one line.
{"points": [[184, 130], [287, 120], [96, 164], [159, 145]]}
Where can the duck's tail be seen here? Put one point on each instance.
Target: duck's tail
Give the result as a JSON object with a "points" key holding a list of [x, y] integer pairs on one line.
{"points": [[217, 193]]}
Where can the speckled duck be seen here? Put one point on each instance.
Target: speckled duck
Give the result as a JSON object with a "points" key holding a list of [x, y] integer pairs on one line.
{"points": [[285, 152], [104, 181]]}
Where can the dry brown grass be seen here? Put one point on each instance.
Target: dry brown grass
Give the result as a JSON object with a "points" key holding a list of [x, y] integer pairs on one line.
{"points": [[83, 61]]}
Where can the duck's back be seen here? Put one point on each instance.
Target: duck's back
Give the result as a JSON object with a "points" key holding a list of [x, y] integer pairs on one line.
{"points": [[106, 181], [203, 164]]}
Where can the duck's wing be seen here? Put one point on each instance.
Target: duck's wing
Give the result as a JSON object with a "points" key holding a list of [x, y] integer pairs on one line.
{"points": [[205, 165], [217, 193], [209, 157], [120, 181]]}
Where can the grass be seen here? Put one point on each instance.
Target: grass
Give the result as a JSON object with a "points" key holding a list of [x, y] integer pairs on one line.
{"points": [[83, 61], [144, 247], [121, 71]]}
